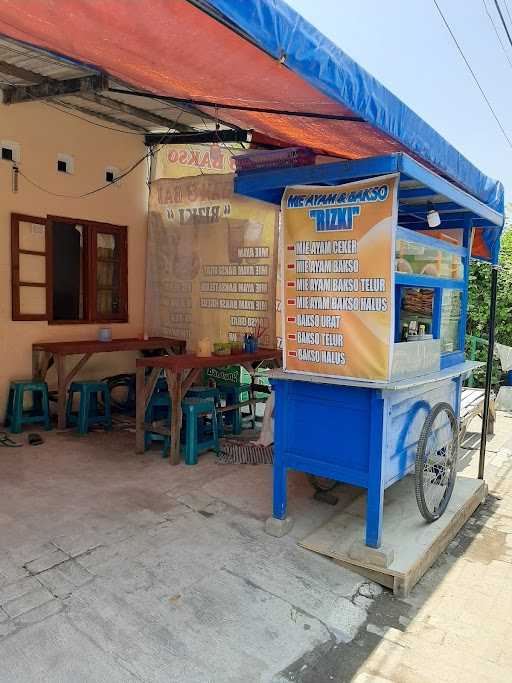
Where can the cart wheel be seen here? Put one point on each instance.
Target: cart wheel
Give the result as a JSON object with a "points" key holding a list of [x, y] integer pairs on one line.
{"points": [[436, 461], [322, 484]]}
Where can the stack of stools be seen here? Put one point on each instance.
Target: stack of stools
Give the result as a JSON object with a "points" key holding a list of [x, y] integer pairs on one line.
{"points": [[207, 392], [89, 412], [198, 439], [233, 394], [197, 406], [40, 413]]}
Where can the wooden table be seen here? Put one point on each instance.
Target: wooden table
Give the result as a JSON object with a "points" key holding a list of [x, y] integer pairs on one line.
{"points": [[181, 372], [44, 353]]}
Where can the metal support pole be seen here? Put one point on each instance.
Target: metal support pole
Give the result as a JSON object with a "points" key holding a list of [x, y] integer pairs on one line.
{"points": [[488, 370]]}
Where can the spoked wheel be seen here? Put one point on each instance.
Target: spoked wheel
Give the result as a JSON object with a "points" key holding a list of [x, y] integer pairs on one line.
{"points": [[322, 484], [436, 461]]}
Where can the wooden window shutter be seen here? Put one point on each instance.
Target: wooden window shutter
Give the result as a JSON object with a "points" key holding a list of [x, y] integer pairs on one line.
{"points": [[108, 272], [29, 267]]}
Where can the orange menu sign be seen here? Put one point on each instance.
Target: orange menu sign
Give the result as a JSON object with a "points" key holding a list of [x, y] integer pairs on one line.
{"points": [[337, 270]]}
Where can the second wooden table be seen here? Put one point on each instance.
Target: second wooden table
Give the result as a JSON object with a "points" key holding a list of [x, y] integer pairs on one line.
{"points": [[181, 372]]}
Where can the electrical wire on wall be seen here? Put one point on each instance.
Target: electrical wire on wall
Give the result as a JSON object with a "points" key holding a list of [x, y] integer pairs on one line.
{"points": [[130, 169]]}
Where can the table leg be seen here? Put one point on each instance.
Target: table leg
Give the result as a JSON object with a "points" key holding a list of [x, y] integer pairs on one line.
{"points": [[36, 365], [61, 392], [140, 408], [45, 365], [40, 364], [175, 393], [63, 381]]}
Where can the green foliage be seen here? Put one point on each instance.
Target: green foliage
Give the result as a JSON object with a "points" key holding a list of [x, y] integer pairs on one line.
{"points": [[479, 300], [479, 296]]}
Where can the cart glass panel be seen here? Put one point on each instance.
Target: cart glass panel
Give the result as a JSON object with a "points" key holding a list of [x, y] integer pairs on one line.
{"points": [[414, 258], [451, 313]]}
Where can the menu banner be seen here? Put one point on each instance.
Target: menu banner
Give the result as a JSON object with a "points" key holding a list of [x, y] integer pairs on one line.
{"points": [[212, 260], [337, 278]]}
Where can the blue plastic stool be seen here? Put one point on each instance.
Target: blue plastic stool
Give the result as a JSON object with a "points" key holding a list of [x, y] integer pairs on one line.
{"points": [[194, 436], [234, 393], [161, 384], [159, 408], [207, 392], [40, 413], [194, 409], [88, 410]]}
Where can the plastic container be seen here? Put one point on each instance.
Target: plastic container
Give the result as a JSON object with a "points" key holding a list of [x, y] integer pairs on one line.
{"points": [[105, 334]]}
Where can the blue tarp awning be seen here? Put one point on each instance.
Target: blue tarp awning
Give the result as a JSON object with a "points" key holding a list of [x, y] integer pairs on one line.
{"points": [[284, 34]]}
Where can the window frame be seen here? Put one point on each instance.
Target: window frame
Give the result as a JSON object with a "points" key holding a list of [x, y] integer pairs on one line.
{"points": [[120, 232], [16, 283], [89, 269], [439, 285]]}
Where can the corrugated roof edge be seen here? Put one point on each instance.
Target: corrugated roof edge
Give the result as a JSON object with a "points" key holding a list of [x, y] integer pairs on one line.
{"points": [[279, 30]]}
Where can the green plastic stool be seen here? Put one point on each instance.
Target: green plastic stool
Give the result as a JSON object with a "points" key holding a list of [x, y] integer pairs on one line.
{"points": [[88, 410], [16, 416], [194, 409]]}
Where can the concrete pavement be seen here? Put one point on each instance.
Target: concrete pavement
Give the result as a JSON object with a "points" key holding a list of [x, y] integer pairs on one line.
{"points": [[117, 567]]}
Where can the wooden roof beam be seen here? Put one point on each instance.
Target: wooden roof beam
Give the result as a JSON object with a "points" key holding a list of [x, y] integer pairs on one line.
{"points": [[130, 110], [53, 88], [18, 72], [103, 116]]}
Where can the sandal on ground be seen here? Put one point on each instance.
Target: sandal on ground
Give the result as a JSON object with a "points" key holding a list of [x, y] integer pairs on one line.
{"points": [[5, 440]]}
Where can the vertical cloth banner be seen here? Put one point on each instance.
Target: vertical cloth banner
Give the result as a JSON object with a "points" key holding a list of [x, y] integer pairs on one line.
{"points": [[212, 261], [338, 278]]}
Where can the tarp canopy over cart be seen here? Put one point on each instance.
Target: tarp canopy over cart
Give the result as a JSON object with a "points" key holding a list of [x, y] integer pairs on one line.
{"points": [[256, 65]]}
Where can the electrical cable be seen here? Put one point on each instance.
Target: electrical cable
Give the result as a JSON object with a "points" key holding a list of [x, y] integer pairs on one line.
{"points": [[106, 185], [503, 22], [76, 116], [93, 123], [85, 194], [237, 107], [473, 74], [497, 33], [82, 118], [148, 155], [508, 11], [219, 141]]}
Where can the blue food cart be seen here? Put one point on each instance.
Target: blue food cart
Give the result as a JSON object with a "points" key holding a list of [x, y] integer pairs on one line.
{"points": [[370, 433]]}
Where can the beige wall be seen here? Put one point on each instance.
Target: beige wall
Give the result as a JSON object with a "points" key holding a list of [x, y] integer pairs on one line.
{"points": [[43, 132]]}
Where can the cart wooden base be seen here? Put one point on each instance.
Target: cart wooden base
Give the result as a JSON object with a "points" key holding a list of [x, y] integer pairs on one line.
{"points": [[415, 545]]}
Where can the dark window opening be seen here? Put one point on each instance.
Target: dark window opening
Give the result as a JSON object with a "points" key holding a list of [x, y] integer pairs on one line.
{"points": [[7, 153], [62, 166], [68, 275], [109, 176]]}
